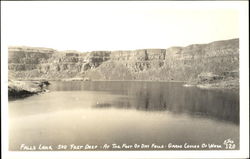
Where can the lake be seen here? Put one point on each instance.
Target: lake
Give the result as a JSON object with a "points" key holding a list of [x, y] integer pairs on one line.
{"points": [[124, 115]]}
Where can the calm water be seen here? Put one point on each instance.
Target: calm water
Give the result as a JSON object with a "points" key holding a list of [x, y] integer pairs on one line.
{"points": [[143, 113]]}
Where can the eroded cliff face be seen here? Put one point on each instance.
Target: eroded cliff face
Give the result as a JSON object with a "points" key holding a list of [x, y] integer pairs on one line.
{"points": [[175, 63]]}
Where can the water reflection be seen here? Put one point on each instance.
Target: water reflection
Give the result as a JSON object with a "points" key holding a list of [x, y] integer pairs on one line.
{"points": [[124, 112], [160, 96]]}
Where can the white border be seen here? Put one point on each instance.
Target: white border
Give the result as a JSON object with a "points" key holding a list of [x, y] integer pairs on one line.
{"points": [[241, 6]]}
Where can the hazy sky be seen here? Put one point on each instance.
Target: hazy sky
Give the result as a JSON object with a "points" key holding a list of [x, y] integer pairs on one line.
{"points": [[86, 26]]}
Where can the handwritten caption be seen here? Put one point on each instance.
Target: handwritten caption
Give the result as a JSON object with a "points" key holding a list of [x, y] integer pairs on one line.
{"points": [[227, 144]]}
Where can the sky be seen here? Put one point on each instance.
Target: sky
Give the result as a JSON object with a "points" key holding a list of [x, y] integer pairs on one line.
{"points": [[88, 26]]}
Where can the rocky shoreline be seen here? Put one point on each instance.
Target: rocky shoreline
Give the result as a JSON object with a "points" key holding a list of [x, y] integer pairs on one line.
{"points": [[21, 89], [227, 84], [209, 80]]}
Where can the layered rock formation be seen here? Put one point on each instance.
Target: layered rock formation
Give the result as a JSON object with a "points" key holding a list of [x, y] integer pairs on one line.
{"points": [[172, 64]]}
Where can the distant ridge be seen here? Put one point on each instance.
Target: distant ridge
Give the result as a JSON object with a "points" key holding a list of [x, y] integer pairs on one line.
{"points": [[171, 64]]}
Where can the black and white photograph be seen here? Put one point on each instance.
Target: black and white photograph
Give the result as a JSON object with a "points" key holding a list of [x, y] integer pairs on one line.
{"points": [[135, 77]]}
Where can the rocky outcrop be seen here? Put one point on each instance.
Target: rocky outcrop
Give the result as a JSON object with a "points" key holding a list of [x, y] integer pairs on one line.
{"points": [[208, 80], [172, 64], [208, 77], [20, 89]]}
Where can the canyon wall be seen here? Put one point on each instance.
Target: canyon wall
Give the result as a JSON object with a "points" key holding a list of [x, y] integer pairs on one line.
{"points": [[171, 64]]}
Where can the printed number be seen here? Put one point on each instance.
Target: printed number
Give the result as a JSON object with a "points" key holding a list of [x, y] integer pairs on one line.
{"points": [[230, 146], [229, 143], [62, 147]]}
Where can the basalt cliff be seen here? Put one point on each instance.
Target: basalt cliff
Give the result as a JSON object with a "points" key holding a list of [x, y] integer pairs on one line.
{"points": [[203, 62]]}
